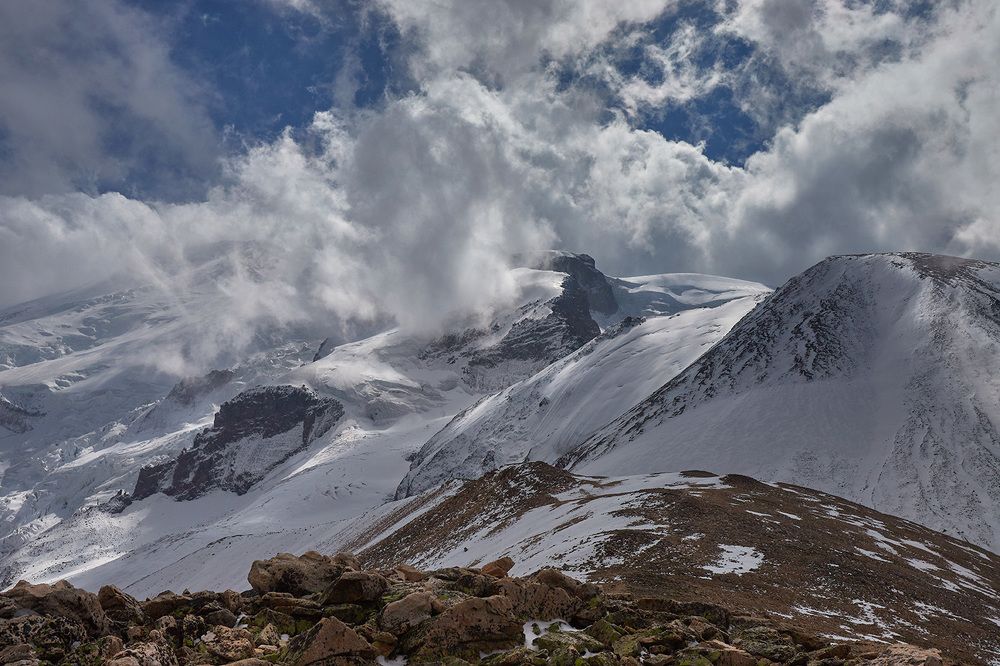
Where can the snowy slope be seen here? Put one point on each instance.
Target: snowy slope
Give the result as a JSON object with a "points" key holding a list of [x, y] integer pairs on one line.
{"points": [[871, 377], [73, 446], [768, 550], [543, 417]]}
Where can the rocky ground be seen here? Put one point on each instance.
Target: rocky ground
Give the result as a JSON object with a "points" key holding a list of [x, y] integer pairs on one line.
{"points": [[318, 609]]}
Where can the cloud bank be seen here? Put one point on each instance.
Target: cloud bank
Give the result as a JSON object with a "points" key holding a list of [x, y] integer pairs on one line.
{"points": [[413, 208]]}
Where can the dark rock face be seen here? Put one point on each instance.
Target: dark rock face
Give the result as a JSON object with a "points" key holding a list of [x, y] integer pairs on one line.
{"points": [[15, 417], [252, 434], [567, 328], [581, 267]]}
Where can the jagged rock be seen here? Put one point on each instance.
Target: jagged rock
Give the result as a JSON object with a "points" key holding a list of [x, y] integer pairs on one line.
{"points": [[577, 640], [119, 606], [715, 614], [401, 616], [431, 620], [355, 587], [222, 616], [472, 583], [498, 568], [556, 578], [268, 636], [286, 604], [52, 637], [61, 599], [165, 603], [330, 642], [531, 599], [242, 445], [192, 626], [309, 573], [583, 269], [469, 627]]}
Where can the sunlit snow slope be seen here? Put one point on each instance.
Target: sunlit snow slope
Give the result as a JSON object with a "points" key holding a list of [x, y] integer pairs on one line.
{"points": [[872, 377], [545, 416]]}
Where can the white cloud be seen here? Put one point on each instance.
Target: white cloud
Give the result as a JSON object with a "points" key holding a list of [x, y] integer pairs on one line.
{"points": [[415, 208], [91, 97]]}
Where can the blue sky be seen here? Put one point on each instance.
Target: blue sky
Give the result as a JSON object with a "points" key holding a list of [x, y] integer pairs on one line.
{"points": [[264, 67]]}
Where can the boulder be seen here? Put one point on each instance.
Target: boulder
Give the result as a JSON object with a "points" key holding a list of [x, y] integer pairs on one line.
{"points": [[308, 574], [268, 636], [412, 610], [355, 587], [557, 579], [119, 606], [410, 574], [229, 644], [472, 626], [62, 600], [165, 603], [222, 616], [498, 568], [534, 600], [330, 642]]}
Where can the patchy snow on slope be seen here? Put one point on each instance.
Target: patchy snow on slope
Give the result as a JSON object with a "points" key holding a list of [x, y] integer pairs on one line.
{"points": [[735, 560]]}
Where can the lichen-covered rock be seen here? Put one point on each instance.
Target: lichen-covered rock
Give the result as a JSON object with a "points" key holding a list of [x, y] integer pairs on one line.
{"points": [[409, 612], [330, 642], [532, 599], [228, 644], [61, 599], [469, 627], [453, 616], [355, 587], [148, 653], [306, 574]]}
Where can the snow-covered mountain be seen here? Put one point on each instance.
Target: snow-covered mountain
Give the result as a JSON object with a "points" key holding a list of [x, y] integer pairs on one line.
{"points": [[872, 377], [545, 416], [115, 470]]}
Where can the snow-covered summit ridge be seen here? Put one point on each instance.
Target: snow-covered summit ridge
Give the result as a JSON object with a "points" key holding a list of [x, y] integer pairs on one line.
{"points": [[870, 376]]}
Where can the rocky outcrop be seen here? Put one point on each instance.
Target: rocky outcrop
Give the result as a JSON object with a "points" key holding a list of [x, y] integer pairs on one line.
{"points": [[309, 573], [16, 418], [583, 269], [451, 616], [252, 433], [61, 600]]}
